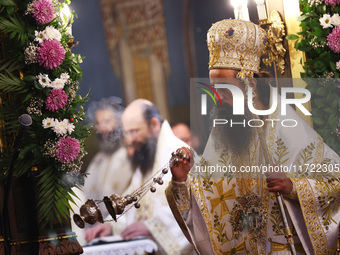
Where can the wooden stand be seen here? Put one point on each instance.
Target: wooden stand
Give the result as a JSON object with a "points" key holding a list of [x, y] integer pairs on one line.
{"points": [[26, 236]]}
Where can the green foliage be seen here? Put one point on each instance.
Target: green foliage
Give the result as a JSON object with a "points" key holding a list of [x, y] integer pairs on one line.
{"points": [[14, 27], [21, 92], [320, 65], [8, 3], [292, 37]]}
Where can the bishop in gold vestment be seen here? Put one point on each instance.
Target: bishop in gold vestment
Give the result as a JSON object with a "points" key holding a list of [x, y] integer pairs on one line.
{"points": [[224, 211]]}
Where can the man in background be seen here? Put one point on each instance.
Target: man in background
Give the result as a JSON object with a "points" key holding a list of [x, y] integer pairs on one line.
{"points": [[110, 170], [182, 131], [151, 143]]}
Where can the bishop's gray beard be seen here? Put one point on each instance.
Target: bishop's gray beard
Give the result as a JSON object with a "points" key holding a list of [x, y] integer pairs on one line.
{"points": [[236, 137]]}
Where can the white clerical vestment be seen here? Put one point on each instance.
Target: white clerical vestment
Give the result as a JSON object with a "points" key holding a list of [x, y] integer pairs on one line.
{"points": [[233, 212], [154, 210], [107, 174]]}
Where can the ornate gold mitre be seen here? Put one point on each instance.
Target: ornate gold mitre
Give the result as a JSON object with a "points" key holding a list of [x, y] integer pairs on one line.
{"points": [[236, 44]]}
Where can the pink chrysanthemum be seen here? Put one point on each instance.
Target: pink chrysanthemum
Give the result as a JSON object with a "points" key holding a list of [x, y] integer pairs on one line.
{"points": [[43, 11], [50, 54], [68, 150], [56, 100], [333, 40], [332, 2]]}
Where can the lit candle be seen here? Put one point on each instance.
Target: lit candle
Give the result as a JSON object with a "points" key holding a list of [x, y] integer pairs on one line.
{"points": [[237, 8], [261, 9], [245, 12], [240, 9]]}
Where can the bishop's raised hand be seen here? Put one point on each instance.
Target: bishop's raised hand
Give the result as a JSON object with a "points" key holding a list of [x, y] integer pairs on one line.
{"points": [[180, 164]]}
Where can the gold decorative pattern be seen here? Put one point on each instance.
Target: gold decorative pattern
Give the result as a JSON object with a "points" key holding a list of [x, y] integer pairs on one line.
{"points": [[177, 215], [288, 235], [281, 151], [240, 248], [142, 74], [328, 198], [276, 219], [181, 195], [220, 199], [277, 247], [265, 202], [162, 235], [310, 214], [306, 155], [207, 183], [236, 44], [41, 240], [276, 51], [141, 24], [220, 232], [270, 130], [270, 140], [212, 196], [200, 198], [320, 148]]}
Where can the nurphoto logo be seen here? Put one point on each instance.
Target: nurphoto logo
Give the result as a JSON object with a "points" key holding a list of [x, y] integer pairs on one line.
{"points": [[239, 99]]}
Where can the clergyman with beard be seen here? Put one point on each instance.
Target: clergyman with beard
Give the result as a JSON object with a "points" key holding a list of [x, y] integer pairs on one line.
{"points": [[237, 136], [227, 203], [110, 170], [236, 133], [150, 142]]}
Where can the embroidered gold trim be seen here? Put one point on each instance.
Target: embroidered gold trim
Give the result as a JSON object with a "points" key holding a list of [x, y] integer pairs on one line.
{"points": [[198, 187], [310, 214], [164, 237], [173, 206], [183, 199]]}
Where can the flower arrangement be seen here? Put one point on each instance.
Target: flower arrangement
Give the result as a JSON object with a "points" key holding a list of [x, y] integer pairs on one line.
{"points": [[320, 40], [39, 75]]}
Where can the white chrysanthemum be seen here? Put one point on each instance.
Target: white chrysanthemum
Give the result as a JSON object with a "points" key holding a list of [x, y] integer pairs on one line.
{"points": [[325, 21], [58, 84], [39, 36], [44, 80], [70, 126], [65, 77], [50, 33], [60, 128], [66, 121], [338, 65], [335, 20], [48, 122]]}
